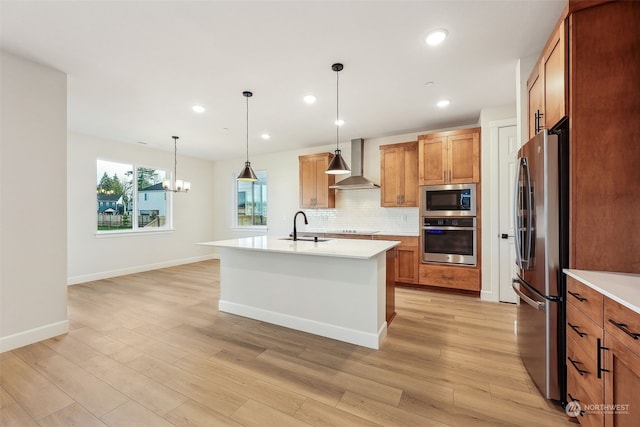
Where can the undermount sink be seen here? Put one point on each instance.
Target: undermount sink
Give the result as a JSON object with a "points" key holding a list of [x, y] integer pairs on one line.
{"points": [[306, 239]]}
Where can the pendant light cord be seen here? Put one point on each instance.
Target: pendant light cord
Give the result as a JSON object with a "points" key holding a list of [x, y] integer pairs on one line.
{"points": [[175, 161], [337, 109], [247, 128]]}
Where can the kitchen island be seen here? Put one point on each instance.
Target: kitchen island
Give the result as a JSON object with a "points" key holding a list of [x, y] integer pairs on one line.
{"points": [[335, 288]]}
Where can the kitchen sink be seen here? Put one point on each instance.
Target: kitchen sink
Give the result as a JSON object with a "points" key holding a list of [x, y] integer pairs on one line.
{"points": [[307, 239]]}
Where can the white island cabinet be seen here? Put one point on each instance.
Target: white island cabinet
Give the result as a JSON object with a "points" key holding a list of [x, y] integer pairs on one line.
{"points": [[335, 288]]}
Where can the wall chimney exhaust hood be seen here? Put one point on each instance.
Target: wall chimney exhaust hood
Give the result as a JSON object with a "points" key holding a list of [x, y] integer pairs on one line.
{"points": [[356, 181]]}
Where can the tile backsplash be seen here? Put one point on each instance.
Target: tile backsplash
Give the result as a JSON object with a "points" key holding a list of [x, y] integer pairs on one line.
{"points": [[360, 210]]}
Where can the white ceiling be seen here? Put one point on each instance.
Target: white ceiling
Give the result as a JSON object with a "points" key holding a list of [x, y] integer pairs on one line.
{"points": [[135, 68]]}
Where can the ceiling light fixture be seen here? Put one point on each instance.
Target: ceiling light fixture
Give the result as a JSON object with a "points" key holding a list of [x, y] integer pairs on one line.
{"points": [[310, 99], [177, 185], [265, 136], [247, 173], [198, 109], [443, 103], [338, 165], [436, 37]]}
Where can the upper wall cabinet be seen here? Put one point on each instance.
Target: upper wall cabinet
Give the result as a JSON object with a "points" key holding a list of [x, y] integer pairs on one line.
{"points": [[547, 85], [399, 175], [314, 182], [451, 157]]}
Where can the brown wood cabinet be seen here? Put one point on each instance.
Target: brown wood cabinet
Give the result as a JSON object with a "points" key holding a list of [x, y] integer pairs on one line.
{"points": [[314, 182], [450, 276], [399, 175], [407, 258], [451, 157], [603, 357], [547, 85], [590, 71]]}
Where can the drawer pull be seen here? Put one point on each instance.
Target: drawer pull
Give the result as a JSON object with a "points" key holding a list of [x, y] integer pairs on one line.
{"points": [[577, 296], [575, 365], [600, 349], [623, 327], [575, 328]]}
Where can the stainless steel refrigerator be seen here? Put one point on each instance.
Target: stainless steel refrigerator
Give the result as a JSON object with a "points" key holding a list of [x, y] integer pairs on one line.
{"points": [[541, 221]]}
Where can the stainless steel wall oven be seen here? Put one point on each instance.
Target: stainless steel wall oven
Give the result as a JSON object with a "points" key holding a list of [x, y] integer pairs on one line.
{"points": [[449, 240]]}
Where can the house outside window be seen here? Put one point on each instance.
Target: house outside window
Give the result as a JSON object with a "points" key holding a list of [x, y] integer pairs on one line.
{"points": [[251, 202], [125, 203]]}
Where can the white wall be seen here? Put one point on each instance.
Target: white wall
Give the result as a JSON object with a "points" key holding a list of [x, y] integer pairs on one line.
{"points": [[33, 208], [93, 256], [523, 71], [489, 119]]}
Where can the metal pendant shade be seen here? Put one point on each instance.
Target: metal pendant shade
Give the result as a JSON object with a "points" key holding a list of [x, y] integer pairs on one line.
{"points": [[337, 166], [247, 173]]}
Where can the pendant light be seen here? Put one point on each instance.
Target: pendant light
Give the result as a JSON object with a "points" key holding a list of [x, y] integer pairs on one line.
{"points": [[337, 166], [247, 173], [177, 185]]}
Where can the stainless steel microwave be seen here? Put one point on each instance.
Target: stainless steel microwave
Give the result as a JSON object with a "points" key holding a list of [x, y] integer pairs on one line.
{"points": [[448, 200]]}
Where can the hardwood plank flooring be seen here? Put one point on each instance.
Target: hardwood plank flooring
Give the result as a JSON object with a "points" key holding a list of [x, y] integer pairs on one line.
{"points": [[151, 349]]}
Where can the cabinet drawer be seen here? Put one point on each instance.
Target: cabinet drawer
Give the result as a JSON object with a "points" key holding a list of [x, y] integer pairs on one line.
{"points": [[583, 331], [465, 278], [622, 323], [576, 391], [581, 363], [587, 300]]}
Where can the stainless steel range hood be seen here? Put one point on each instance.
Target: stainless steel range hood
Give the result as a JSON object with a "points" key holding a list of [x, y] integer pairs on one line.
{"points": [[356, 181]]}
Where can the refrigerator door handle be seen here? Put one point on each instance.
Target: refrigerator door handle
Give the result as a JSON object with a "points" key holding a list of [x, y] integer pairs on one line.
{"points": [[535, 304], [516, 216], [521, 260]]}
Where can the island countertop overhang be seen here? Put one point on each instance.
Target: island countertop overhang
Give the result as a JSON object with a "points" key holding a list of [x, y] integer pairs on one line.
{"points": [[338, 248]]}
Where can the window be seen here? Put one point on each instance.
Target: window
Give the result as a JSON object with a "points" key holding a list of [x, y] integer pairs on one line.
{"points": [[251, 201], [128, 204]]}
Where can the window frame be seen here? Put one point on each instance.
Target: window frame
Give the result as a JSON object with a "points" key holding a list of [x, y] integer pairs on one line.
{"points": [[234, 205], [135, 229]]}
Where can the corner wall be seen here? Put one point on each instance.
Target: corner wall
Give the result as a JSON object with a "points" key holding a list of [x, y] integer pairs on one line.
{"points": [[33, 203]]}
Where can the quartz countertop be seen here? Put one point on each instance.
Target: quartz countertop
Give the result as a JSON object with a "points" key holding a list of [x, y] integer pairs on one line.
{"points": [[620, 287], [340, 248], [357, 232]]}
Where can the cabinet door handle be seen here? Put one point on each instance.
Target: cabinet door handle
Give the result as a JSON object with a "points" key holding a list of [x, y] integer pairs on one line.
{"points": [[575, 365], [575, 328], [577, 296], [600, 350], [625, 328]]}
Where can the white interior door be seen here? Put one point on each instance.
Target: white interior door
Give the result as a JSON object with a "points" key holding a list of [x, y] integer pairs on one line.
{"points": [[508, 149]]}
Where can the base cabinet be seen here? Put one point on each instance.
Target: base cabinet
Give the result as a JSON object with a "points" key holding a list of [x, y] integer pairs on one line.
{"points": [[407, 258], [603, 358], [452, 277]]}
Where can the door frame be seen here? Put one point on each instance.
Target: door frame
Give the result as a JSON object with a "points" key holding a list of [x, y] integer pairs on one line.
{"points": [[490, 212]]}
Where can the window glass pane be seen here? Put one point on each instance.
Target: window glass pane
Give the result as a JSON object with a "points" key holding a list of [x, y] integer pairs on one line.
{"points": [[114, 195], [152, 201], [251, 199]]}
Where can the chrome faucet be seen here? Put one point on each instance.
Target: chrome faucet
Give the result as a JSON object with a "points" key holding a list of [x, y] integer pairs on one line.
{"points": [[295, 232]]}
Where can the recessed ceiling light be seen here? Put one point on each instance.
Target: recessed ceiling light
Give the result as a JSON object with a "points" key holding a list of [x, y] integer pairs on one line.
{"points": [[443, 103], [436, 37], [339, 122], [265, 136], [198, 109], [310, 99]]}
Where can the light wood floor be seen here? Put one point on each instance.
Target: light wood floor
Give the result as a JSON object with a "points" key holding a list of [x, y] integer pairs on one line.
{"points": [[151, 349]]}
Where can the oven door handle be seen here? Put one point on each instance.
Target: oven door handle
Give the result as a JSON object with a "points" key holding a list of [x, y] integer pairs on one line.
{"points": [[449, 228], [535, 304]]}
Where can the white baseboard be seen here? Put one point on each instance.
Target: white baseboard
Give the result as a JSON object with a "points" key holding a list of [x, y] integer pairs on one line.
{"points": [[33, 335], [370, 340], [75, 280]]}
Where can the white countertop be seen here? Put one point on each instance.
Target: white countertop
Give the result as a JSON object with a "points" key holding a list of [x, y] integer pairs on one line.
{"points": [[360, 232], [341, 248], [621, 287]]}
